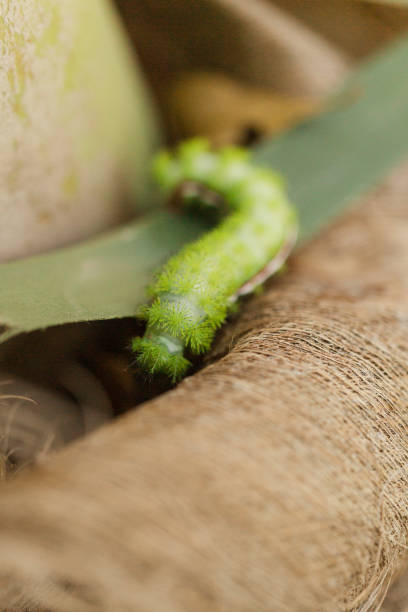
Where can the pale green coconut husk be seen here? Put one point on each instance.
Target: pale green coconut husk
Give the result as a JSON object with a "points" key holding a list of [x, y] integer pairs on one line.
{"points": [[77, 125]]}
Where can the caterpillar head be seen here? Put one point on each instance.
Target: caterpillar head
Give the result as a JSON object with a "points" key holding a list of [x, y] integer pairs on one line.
{"points": [[161, 355], [174, 323]]}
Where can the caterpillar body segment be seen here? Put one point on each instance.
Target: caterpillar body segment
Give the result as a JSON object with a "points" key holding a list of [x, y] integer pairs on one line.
{"points": [[194, 290]]}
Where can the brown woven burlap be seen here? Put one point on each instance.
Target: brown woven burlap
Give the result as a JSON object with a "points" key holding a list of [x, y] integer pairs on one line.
{"points": [[273, 480], [397, 598]]}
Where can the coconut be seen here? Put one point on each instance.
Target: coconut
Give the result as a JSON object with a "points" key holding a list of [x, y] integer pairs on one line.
{"points": [[77, 125]]}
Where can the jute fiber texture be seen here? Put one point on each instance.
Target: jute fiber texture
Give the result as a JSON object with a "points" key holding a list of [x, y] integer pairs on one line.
{"points": [[397, 598], [274, 480]]}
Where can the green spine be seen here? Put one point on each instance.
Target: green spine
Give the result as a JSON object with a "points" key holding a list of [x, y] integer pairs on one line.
{"points": [[192, 293]]}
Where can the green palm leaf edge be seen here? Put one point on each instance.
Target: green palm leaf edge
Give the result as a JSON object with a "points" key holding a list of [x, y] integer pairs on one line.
{"points": [[327, 162]]}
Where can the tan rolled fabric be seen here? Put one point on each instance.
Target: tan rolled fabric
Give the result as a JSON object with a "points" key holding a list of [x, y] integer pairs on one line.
{"points": [[397, 598]]}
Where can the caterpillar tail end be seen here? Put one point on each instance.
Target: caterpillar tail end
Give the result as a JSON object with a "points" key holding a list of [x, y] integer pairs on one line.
{"points": [[154, 356]]}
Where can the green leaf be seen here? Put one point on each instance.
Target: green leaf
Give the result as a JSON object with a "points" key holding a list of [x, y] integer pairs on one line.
{"points": [[104, 278], [327, 162], [330, 161]]}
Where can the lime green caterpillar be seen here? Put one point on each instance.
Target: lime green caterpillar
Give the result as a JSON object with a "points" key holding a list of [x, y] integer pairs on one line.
{"points": [[193, 292]]}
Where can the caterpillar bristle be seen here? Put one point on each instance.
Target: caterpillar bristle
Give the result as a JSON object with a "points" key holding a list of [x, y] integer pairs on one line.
{"points": [[156, 359]]}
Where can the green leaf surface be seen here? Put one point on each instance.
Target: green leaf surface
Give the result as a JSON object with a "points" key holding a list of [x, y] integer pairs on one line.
{"points": [[327, 162], [330, 161], [104, 278]]}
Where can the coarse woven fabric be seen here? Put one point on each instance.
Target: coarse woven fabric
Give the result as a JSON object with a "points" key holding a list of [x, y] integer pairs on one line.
{"points": [[397, 598], [274, 479]]}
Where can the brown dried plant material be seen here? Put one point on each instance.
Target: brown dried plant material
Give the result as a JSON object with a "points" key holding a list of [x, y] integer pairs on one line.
{"points": [[276, 478], [254, 41], [36, 420], [226, 110], [3, 467], [358, 28]]}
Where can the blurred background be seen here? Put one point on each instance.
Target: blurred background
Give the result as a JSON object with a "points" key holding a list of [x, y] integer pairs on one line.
{"points": [[231, 69], [235, 71]]}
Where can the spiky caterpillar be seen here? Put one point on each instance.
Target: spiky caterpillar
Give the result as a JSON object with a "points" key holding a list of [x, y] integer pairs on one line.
{"points": [[194, 290]]}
